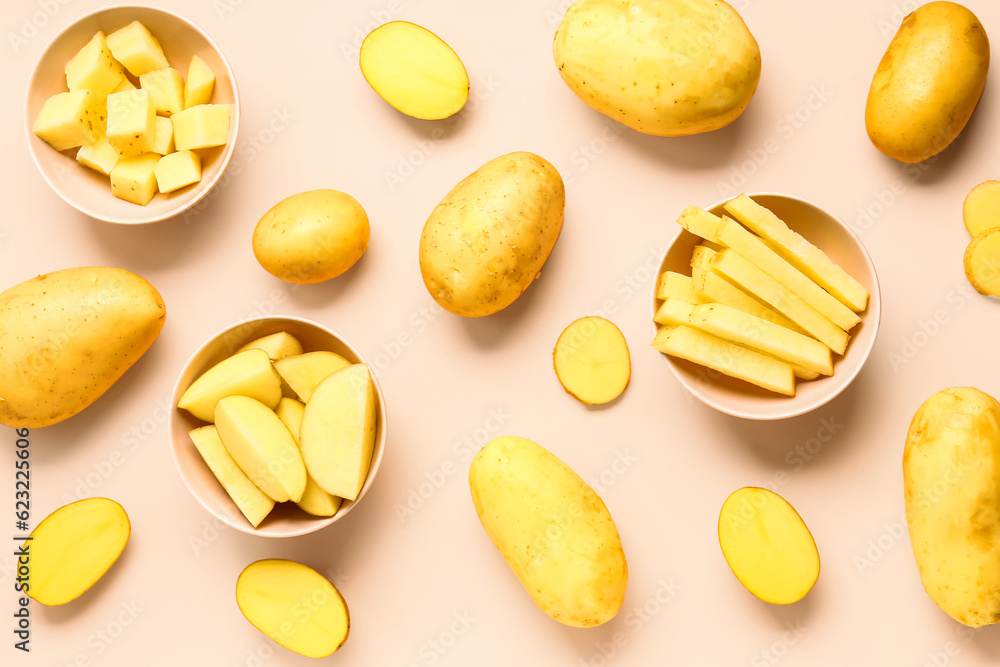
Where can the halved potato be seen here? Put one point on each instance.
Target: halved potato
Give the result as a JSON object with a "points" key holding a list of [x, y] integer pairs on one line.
{"points": [[982, 262], [414, 70], [294, 605], [591, 360], [981, 208]]}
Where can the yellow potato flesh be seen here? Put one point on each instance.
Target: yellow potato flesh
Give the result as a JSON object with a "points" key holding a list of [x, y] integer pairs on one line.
{"points": [[73, 547], [294, 605], [982, 262], [981, 208], [277, 345], [314, 499], [552, 529], [768, 546], [304, 372], [415, 71], [247, 373], [591, 360]]}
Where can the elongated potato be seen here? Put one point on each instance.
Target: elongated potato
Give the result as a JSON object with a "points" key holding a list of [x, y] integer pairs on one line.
{"points": [[553, 530], [662, 67], [951, 480], [490, 236], [928, 82], [67, 336]]}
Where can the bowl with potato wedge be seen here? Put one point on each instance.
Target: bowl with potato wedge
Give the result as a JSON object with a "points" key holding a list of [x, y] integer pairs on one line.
{"points": [[766, 306], [278, 426], [132, 114]]}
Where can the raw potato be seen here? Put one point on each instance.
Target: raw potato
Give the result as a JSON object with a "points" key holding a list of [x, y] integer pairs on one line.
{"points": [[928, 82], [303, 372], [312, 236], [768, 546], [552, 529], [314, 500], [982, 262], [591, 360], [414, 70], [488, 239], [294, 605], [67, 336], [662, 67], [73, 547], [277, 345], [952, 490], [248, 373], [981, 208], [254, 503]]}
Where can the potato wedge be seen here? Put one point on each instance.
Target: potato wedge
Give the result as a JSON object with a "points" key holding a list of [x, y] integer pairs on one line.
{"points": [[247, 373], [251, 501], [982, 262], [591, 360]]}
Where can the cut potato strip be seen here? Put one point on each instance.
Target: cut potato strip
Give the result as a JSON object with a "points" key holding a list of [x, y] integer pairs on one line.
{"points": [[727, 358], [715, 288], [740, 271], [700, 256], [700, 223], [982, 262], [798, 251], [678, 286]]}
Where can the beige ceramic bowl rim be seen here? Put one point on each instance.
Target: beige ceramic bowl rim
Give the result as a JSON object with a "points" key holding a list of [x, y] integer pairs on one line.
{"points": [[311, 524], [872, 318], [183, 204]]}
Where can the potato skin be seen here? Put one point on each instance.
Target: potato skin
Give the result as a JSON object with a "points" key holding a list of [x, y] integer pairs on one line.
{"points": [[662, 67], [67, 336], [490, 236], [951, 480], [553, 530], [311, 237], [928, 83]]}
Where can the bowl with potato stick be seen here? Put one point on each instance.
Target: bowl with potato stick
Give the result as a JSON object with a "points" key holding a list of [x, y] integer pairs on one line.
{"points": [[766, 306]]}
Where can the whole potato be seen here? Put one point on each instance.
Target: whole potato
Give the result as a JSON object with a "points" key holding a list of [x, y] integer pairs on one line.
{"points": [[928, 82], [951, 480], [662, 67], [67, 336], [311, 236], [553, 530], [490, 236]]}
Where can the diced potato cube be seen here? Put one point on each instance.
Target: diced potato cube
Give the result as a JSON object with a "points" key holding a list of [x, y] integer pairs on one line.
{"points": [[166, 86], [133, 178], [72, 119], [94, 68], [200, 83], [131, 122], [177, 170], [164, 141], [135, 48], [201, 126], [125, 84], [99, 156]]}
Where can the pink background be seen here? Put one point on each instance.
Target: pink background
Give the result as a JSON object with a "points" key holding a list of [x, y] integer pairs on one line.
{"points": [[428, 587]]}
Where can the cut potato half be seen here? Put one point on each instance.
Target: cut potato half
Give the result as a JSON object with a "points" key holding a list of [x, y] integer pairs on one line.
{"points": [[591, 360], [414, 70], [72, 548], [294, 605], [768, 546], [981, 208], [982, 262]]}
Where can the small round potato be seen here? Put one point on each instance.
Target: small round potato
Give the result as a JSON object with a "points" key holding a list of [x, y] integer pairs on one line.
{"points": [[312, 236]]}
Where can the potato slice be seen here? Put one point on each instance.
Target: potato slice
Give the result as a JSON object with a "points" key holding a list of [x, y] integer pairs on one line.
{"points": [[414, 70], [294, 605], [314, 500], [304, 372], [249, 373], [337, 436], [981, 208], [254, 503], [728, 358], [591, 360], [277, 345], [982, 262], [678, 286], [72, 548], [806, 257], [768, 546]]}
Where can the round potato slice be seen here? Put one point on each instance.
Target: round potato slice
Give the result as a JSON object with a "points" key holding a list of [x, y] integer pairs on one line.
{"points": [[982, 262], [414, 70], [981, 209], [294, 605], [591, 360], [72, 548], [768, 546]]}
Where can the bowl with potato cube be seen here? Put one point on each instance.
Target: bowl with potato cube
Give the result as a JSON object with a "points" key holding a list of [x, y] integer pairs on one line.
{"points": [[766, 306], [278, 426], [132, 114]]}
